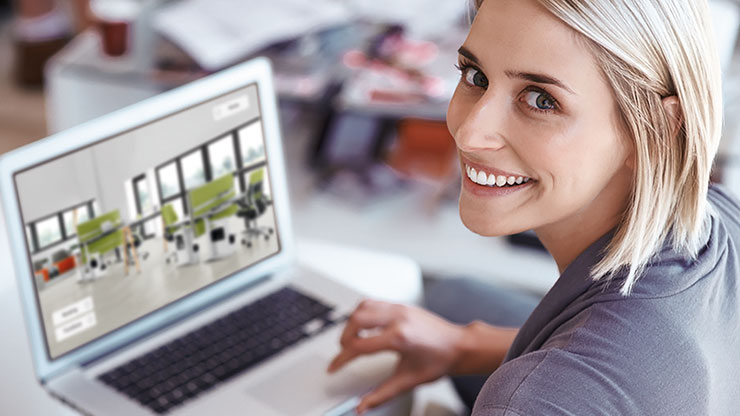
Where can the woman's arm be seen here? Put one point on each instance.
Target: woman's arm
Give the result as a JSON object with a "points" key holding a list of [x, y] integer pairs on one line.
{"points": [[429, 346], [481, 348]]}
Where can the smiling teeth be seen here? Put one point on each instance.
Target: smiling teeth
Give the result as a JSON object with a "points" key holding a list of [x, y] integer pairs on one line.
{"points": [[481, 178]]}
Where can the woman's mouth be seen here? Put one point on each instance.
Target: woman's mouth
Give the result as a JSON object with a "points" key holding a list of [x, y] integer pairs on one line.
{"points": [[483, 178]]}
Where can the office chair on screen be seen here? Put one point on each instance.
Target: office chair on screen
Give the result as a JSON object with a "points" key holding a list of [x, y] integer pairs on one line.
{"points": [[213, 205], [134, 249], [98, 237], [173, 233], [252, 207]]}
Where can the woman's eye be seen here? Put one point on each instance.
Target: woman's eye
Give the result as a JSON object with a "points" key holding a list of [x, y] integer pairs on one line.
{"points": [[539, 100], [475, 78]]}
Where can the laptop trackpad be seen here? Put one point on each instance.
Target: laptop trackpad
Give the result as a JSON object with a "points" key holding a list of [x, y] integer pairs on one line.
{"points": [[305, 385]]}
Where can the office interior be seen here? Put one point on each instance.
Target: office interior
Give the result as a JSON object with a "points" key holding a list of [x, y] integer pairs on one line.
{"points": [[132, 234], [369, 161]]}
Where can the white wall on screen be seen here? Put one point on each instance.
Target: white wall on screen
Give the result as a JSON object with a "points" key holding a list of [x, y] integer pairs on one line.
{"points": [[100, 172], [58, 185]]}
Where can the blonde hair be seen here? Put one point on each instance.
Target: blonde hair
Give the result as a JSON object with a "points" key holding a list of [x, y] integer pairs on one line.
{"points": [[649, 50]]}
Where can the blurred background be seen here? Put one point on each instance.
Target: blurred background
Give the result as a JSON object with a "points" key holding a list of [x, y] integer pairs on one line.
{"points": [[363, 88]]}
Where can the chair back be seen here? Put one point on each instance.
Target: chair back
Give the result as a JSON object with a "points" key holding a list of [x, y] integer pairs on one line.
{"points": [[256, 180], [169, 215], [88, 233], [210, 196], [91, 229]]}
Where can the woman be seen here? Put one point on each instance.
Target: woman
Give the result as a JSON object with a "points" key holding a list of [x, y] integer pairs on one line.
{"points": [[595, 123]]}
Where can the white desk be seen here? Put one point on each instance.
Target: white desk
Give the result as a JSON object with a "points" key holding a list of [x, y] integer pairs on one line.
{"points": [[375, 274]]}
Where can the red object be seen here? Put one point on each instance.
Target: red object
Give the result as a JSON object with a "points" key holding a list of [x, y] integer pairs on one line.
{"points": [[396, 97], [62, 266], [65, 265], [44, 273], [425, 148], [115, 37]]}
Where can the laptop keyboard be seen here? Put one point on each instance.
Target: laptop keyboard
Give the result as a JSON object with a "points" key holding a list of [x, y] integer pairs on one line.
{"points": [[209, 355]]}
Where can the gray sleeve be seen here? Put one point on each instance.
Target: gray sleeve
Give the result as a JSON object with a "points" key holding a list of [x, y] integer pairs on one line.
{"points": [[550, 382]]}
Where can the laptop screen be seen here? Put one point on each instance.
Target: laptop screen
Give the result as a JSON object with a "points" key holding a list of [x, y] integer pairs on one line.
{"points": [[134, 222]]}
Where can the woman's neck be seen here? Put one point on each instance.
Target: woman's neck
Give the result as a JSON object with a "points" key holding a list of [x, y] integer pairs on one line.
{"points": [[567, 243], [568, 238]]}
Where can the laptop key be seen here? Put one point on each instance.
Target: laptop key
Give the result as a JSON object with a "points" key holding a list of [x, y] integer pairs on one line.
{"points": [[207, 379], [176, 396], [163, 402], [181, 379], [191, 389], [157, 408], [313, 326], [155, 392], [292, 336], [167, 386], [276, 344], [145, 384], [220, 372]]}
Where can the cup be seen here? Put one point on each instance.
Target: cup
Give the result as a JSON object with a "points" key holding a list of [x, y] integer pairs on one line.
{"points": [[114, 20]]}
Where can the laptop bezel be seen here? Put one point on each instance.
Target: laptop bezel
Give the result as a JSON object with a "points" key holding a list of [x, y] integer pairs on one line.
{"points": [[257, 71]]}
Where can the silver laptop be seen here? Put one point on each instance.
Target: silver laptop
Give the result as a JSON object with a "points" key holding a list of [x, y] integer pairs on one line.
{"points": [[155, 263]]}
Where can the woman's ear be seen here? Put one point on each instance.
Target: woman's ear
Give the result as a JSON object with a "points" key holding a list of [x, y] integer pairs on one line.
{"points": [[672, 107], [630, 161]]}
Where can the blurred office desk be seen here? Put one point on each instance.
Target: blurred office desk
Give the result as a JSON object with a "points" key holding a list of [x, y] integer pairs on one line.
{"points": [[82, 84], [375, 274]]}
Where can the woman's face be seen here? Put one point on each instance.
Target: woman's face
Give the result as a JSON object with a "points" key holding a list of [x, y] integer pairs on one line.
{"points": [[533, 112]]}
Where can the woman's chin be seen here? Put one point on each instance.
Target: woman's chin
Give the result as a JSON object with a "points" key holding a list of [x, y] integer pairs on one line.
{"points": [[486, 226]]}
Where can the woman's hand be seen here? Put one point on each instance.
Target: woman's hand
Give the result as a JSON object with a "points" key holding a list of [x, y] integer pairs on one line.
{"points": [[429, 346]]}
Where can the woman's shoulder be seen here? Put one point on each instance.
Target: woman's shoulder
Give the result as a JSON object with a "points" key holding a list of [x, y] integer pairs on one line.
{"points": [[597, 379], [606, 360]]}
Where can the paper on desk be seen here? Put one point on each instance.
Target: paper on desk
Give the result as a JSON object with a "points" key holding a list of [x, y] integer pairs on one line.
{"points": [[217, 33]]}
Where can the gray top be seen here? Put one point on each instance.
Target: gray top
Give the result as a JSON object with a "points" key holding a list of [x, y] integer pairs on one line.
{"points": [[670, 348]]}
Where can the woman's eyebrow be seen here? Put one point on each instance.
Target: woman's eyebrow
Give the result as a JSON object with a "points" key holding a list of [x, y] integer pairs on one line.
{"points": [[466, 53], [538, 78]]}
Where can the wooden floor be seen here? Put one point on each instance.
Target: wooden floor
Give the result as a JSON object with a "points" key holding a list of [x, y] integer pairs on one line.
{"points": [[22, 113]]}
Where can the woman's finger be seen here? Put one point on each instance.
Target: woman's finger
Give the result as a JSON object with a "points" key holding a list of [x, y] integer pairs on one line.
{"points": [[363, 345], [399, 383], [368, 315], [341, 359]]}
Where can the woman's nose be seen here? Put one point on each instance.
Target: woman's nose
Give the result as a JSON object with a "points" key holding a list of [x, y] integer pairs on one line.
{"points": [[483, 126]]}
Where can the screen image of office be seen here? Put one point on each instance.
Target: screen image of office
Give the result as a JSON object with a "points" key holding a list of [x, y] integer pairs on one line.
{"points": [[130, 224]]}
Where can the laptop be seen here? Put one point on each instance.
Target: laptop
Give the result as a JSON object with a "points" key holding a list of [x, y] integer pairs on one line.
{"points": [[156, 263]]}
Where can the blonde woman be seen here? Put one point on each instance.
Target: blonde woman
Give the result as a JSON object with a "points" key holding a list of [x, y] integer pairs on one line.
{"points": [[594, 123]]}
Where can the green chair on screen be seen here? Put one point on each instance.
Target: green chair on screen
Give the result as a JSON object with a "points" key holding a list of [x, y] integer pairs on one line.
{"points": [[182, 236], [98, 237], [212, 204], [253, 206]]}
